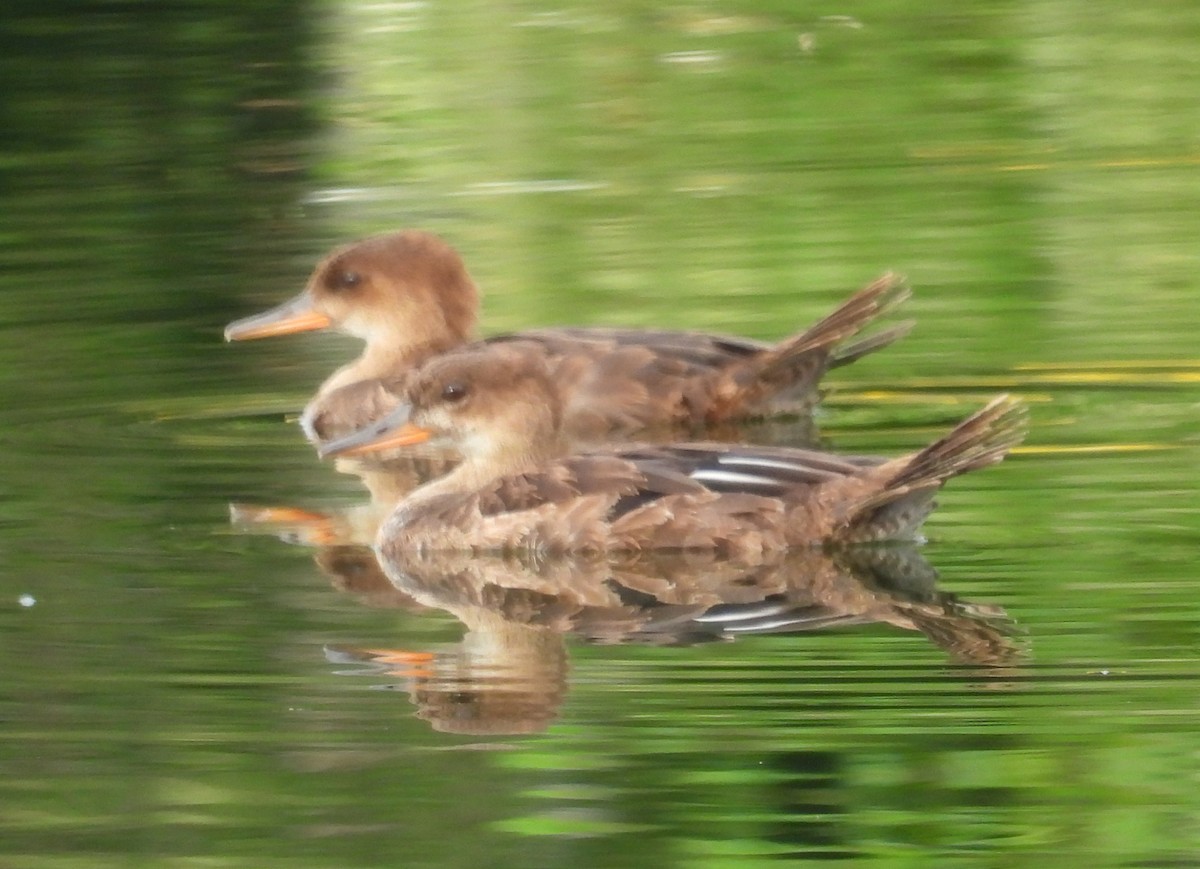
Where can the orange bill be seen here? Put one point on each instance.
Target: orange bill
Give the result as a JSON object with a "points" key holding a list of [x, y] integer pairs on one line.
{"points": [[394, 430], [297, 315]]}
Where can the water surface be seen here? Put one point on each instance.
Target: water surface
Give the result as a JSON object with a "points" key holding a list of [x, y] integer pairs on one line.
{"points": [[177, 691]]}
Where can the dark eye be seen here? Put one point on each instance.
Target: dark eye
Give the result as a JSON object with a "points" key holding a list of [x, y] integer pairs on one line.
{"points": [[345, 279], [453, 392]]}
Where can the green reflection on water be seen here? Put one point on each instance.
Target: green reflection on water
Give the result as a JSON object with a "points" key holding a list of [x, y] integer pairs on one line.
{"points": [[1030, 166]]}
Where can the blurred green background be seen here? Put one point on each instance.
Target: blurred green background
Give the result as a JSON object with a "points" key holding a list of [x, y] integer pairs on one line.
{"points": [[1032, 167]]}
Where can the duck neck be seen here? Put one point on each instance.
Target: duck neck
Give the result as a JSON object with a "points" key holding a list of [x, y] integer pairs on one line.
{"points": [[386, 360], [501, 460]]}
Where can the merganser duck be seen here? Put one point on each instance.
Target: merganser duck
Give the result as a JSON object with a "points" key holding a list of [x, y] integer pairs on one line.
{"points": [[409, 296], [520, 487]]}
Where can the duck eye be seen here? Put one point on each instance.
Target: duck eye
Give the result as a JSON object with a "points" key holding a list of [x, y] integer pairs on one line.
{"points": [[345, 279], [453, 392]]}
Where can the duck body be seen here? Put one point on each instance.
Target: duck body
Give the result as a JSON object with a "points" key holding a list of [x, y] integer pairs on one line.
{"points": [[738, 502], [656, 498], [520, 486], [409, 296]]}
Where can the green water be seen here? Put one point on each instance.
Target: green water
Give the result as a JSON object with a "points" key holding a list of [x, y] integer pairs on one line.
{"points": [[170, 694]]}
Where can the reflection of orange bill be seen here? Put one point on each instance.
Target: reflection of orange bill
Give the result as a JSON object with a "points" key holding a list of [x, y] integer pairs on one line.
{"points": [[297, 315], [405, 665], [310, 527]]}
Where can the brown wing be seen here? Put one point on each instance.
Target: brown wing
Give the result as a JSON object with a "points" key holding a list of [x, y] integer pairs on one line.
{"points": [[609, 477], [616, 382], [558, 508], [702, 349], [732, 500], [745, 468], [705, 496], [627, 479], [742, 510]]}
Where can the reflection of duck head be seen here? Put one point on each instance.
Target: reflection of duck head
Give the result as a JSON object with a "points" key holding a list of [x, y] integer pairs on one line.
{"points": [[311, 528], [503, 677], [387, 483]]}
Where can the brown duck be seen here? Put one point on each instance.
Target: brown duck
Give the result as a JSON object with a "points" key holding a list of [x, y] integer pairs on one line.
{"points": [[409, 296], [519, 488]]}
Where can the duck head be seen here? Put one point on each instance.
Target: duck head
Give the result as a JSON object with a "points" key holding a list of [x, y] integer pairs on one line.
{"points": [[400, 291], [494, 405]]}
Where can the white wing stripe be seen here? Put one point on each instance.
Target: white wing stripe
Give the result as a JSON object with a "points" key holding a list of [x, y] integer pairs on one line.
{"points": [[764, 626], [759, 462], [714, 475], [743, 614]]}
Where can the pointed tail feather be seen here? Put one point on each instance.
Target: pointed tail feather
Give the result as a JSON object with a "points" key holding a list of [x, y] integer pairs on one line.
{"points": [[795, 365], [982, 439], [906, 498], [848, 353], [877, 298]]}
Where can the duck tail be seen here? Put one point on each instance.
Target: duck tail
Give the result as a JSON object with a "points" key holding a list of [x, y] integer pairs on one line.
{"points": [[790, 371], [897, 509]]}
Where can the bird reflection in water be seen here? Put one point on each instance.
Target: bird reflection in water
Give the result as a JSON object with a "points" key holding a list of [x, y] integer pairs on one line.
{"points": [[387, 482], [508, 675]]}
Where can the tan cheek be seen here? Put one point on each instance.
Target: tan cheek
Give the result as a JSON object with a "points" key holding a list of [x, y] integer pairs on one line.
{"points": [[331, 306], [440, 418], [402, 304], [364, 322]]}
